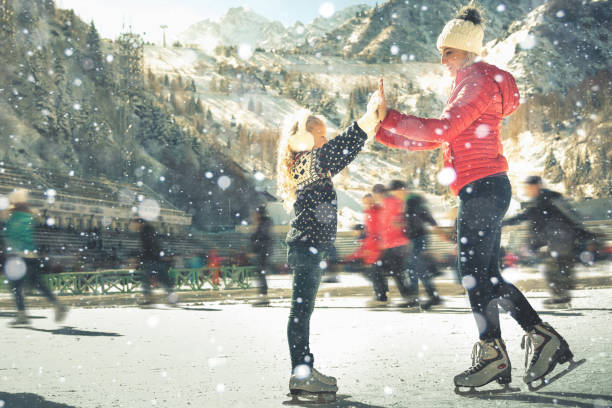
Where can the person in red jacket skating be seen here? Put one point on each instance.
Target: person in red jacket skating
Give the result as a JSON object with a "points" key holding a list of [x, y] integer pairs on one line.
{"points": [[394, 245], [469, 132]]}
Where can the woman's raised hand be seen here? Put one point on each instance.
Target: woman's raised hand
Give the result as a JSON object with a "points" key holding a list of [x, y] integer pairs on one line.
{"points": [[382, 105]]}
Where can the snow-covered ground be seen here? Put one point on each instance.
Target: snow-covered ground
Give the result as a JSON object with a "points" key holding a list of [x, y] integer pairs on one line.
{"points": [[227, 354]]}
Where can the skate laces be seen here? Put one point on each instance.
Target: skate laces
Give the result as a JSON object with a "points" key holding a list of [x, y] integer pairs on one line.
{"points": [[478, 353], [528, 344]]}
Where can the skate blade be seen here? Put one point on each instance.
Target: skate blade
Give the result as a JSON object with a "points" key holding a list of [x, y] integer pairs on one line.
{"points": [[299, 397], [547, 381], [472, 391], [558, 306]]}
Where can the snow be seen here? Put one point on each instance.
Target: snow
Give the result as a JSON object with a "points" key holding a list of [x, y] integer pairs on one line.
{"points": [[230, 354]]}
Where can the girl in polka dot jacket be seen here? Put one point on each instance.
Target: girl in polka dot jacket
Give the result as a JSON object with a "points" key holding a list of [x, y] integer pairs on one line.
{"points": [[306, 164]]}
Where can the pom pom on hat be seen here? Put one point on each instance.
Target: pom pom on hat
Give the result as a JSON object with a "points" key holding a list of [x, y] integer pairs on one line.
{"points": [[464, 32]]}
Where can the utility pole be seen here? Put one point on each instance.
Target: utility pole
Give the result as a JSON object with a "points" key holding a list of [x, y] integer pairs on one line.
{"points": [[163, 27]]}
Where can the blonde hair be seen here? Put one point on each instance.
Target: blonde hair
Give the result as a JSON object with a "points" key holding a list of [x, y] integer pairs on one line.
{"points": [[286, 156]]}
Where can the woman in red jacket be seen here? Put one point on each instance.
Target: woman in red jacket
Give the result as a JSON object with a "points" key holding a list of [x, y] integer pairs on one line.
{"points": [[469, 132]]}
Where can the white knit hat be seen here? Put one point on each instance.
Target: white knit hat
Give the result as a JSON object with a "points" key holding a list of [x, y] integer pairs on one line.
{"points": [[462, 35], [302, 140], [18, 196]]}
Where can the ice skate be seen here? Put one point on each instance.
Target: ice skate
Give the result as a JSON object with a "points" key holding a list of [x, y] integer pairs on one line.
{"points": [[310, 386], [548, 349], [410, 305], [263, 301], [20, 320], [374, 303], [429, 303], [147, 303], [557, 302], [60, 313], [490, 363]]}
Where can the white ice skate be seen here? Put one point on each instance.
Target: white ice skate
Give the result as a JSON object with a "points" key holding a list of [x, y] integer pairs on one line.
{"points": [[490, 362], [310, 386], [548, 349]]}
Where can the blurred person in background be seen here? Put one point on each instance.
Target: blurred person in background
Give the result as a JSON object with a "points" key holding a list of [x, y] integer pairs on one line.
{"points": [[421, 265], [555, 225], [153, 263], [23, 264], [394, 243], [260, 249]]}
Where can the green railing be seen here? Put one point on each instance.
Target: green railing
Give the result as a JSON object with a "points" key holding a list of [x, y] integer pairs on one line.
{"points": [[128, 281]]}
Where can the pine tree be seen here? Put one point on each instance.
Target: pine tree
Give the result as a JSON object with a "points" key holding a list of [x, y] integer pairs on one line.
{"points": [[94, 55]]}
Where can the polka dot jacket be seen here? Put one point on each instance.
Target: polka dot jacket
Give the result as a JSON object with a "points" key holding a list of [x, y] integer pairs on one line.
{"points": [[316, 206]]}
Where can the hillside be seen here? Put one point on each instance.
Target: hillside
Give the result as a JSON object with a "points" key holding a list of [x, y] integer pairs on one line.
{"points": [[72, 102]]}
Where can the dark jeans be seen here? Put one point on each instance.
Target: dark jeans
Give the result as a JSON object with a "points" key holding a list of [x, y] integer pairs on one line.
{"points": [[559, 274], [158, 269], [262, 267], [305, 264], [482, 207], [421, 267], [392, 262], [33, 277]]}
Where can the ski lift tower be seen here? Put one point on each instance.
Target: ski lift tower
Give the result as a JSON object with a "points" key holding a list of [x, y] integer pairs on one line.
{"points": [[163, 27]]}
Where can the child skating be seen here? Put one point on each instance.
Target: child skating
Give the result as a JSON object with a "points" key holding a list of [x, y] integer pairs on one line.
{"points": [[306, 164]]}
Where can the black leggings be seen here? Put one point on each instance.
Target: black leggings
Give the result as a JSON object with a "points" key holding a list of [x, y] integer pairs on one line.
{"points": [[34, 278], [482, 206]]}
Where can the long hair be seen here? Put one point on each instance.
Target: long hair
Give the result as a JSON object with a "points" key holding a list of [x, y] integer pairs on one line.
{"points": [[286, 156]]}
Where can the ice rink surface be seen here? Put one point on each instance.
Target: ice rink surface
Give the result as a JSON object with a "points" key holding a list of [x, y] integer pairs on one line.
{"points": [[234, 355]]}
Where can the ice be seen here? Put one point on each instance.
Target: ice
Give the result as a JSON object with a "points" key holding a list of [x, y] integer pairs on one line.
{"points": [[153, 321]]}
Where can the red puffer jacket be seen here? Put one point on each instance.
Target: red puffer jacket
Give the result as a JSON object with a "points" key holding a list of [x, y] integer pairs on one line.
{"points": [[392, 223], [469, 127], [370, 248]]}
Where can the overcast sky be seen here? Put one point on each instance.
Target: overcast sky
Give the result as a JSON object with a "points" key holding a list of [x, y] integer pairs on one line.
{"points": [[146, 16]]}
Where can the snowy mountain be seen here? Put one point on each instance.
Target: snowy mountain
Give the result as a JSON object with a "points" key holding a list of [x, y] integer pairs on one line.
{"points": [[240, 26], [557, 53], [407, 30]]}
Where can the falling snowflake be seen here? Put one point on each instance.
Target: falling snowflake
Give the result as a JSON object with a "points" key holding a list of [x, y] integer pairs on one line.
{"points": [[327, 10], [447, 176], [149, 209], [245, 51], [224, 182]]}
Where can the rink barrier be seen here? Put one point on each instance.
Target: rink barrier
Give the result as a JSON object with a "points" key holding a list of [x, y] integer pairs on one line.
{"points": [[129, 281]]}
